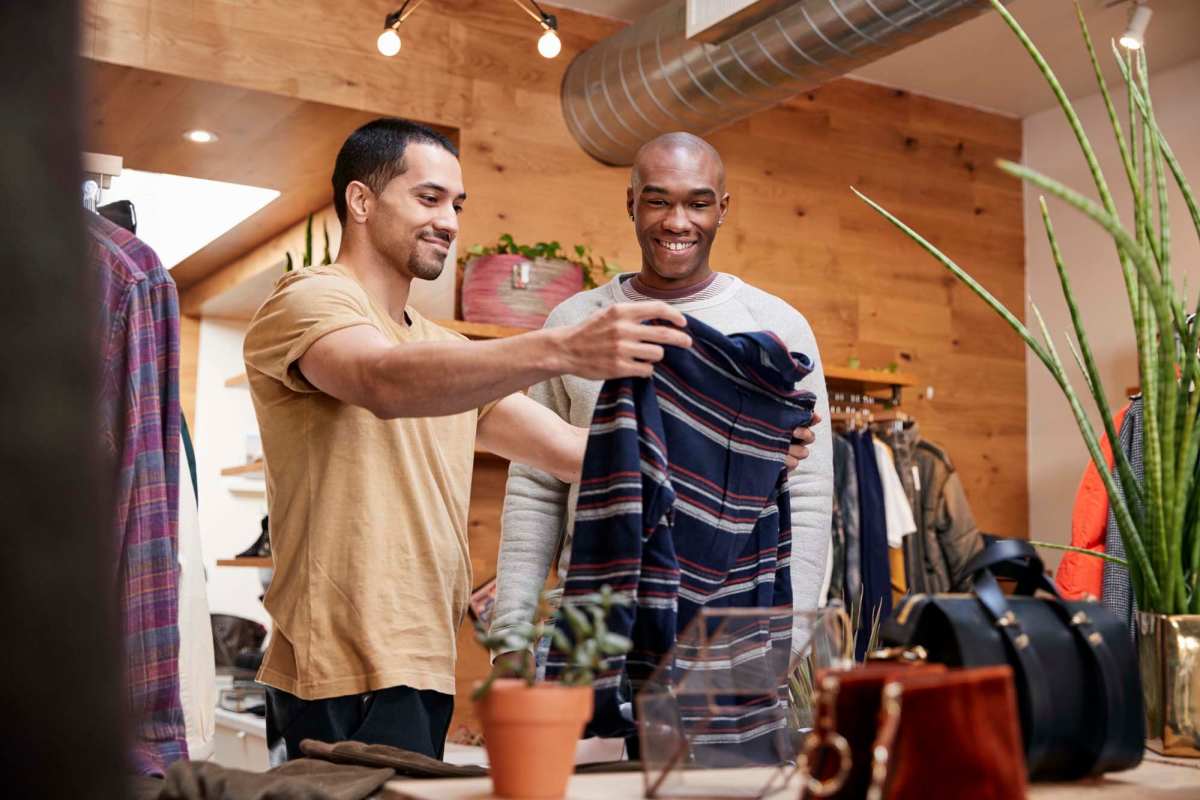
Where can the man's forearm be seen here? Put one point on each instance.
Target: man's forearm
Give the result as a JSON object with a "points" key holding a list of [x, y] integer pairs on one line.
{"points": [[432, 379]]}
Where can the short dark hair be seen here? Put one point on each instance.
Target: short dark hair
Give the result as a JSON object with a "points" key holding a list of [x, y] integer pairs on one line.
{"points": [[374, 154]]}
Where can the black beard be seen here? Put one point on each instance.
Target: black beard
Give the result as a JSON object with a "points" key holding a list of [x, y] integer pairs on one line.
{"points": [[425, 269]]}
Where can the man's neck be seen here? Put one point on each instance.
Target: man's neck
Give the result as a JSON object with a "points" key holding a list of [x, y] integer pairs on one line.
{"points": [[385, 285], [651, 284]]}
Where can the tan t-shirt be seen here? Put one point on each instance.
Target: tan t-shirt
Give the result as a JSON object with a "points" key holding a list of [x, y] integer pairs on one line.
{"points": [[368, 516]]}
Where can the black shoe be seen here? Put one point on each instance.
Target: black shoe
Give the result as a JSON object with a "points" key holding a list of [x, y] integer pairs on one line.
{"points": [[261, 547]]}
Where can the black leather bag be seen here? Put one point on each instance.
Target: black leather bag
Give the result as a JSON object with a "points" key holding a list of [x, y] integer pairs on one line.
{"points": [[1078, 687]]}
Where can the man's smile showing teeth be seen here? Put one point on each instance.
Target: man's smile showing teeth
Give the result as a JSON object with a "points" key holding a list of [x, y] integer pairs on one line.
{"points": [[674, 247]]}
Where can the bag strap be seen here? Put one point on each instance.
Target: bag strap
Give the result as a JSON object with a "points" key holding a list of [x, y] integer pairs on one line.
{"points": [[1017, 559], [991, 598], [1104, 664], [885, 739]]}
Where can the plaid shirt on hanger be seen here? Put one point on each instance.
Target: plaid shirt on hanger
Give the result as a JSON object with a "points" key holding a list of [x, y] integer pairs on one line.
{"points": [[139, 404]]}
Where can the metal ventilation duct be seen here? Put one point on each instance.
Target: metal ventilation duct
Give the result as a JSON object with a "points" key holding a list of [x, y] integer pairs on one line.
{"points": [[650, 79]]}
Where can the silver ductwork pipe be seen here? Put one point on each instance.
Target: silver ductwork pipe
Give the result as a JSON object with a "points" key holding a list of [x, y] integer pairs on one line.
{"points": [[650, 79]]}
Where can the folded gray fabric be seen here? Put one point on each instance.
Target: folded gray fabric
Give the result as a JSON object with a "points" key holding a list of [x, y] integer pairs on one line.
{"points": [[404, 762], [302, 779], [415, 765]]}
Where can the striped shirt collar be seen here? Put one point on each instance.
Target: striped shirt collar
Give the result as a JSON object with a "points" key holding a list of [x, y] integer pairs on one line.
{"points": [[711, 292]]}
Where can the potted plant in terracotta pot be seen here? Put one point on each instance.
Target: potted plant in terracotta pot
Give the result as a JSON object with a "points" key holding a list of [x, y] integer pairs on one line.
{"points": [[530, 728], [1157, 511], [519, 285]]}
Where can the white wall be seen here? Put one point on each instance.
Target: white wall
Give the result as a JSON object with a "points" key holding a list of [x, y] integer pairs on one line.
{"points": [[1056, 452], [229, 521]]}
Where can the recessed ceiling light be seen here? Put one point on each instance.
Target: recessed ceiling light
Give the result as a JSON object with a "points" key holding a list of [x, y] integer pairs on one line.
{"points": [[200, 136]]}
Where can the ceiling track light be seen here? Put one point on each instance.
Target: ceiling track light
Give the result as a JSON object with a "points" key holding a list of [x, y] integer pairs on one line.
{"points": [[1139, 19], [389, 41], [549, 45]]}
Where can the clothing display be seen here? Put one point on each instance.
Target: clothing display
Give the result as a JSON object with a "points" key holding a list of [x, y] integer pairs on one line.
{"points": [[684, 500], [395, 489], [1080, 575], [948, 538], [140, 428], [538, 518], [1117, 590], [876, 599], [845, 483], [197, 663], [928, 531], [897, 513]]}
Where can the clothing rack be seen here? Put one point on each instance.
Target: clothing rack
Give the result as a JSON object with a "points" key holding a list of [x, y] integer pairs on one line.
{"points": [[857, 410]]}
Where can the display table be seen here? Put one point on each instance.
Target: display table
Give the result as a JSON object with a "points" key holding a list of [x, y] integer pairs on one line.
{"points": [[1155, 779]]}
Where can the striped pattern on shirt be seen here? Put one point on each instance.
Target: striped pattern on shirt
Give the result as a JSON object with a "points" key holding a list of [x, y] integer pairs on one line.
{"points": [[683, 505], [719, 283]]}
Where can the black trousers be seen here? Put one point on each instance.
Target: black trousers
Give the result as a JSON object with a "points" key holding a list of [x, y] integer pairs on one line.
{"points": [[412, 719]]}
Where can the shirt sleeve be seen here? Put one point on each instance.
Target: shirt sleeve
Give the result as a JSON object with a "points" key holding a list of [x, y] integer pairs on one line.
{"points": [[301, 310], [810, 484]]}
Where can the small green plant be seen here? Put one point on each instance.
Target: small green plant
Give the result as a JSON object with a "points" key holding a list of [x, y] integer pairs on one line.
{"points": [[583, 258], [590, 642], [307, 257]]}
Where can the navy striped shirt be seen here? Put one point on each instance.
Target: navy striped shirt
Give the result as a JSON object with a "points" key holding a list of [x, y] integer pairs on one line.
{"points": [[683, 502]]}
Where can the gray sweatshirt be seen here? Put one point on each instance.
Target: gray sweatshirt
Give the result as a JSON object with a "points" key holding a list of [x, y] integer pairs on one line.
{"points": [[539, 509]]}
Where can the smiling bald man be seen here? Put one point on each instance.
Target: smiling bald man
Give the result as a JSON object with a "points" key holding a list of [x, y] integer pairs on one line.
{"points": [[677, 203]]}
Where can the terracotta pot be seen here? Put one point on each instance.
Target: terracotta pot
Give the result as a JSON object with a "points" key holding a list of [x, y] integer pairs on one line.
{"points": [[512, 290], [530, 733]]}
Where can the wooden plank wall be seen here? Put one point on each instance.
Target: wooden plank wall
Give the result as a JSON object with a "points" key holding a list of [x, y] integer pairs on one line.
{"points": [[795, 229]]}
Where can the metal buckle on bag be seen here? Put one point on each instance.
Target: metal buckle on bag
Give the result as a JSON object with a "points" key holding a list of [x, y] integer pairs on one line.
{"points": [[913, 655], [825, 736]]}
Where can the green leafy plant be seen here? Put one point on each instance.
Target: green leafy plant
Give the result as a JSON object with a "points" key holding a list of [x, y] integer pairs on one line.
{"points": [[306, 259], [590, 642], [582, 258], [1158, 516]]}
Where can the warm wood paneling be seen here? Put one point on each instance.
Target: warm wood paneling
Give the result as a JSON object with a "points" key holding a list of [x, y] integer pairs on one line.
{"points": [[794, 229]]}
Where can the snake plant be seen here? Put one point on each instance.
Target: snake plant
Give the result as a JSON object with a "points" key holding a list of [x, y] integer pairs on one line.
{"points": [[1159, 514]]}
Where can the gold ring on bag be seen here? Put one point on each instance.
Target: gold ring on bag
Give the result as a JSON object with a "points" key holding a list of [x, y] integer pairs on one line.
{"points": [[825, 736]]}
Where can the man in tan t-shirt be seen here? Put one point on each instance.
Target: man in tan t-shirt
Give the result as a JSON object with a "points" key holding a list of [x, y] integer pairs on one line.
{"points": [[369, 415]]}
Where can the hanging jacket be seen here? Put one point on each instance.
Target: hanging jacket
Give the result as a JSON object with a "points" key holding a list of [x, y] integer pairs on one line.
{"points": [[139, 426], [1116, 586], [845, 518], [1080, 575], [876, 600], [949, 537], [684, 504]]}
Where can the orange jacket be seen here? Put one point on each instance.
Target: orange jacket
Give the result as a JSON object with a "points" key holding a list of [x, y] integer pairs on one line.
{"points": [[1079, 574]]}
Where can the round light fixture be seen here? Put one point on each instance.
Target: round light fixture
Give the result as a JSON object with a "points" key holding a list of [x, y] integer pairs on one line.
{"points": [[1135, 35], [200, 136], [549, 45], [388, 42]]}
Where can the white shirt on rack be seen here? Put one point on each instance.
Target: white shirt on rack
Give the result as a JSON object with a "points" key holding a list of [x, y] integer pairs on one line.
{"points": [[896, 510]]}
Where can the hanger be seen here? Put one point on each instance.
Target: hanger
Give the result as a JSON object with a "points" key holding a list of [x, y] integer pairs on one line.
{"points": [[98, 171]]}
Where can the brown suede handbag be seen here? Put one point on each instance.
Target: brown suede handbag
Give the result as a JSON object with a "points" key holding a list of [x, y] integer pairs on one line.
{"points": [[886, 731]]}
